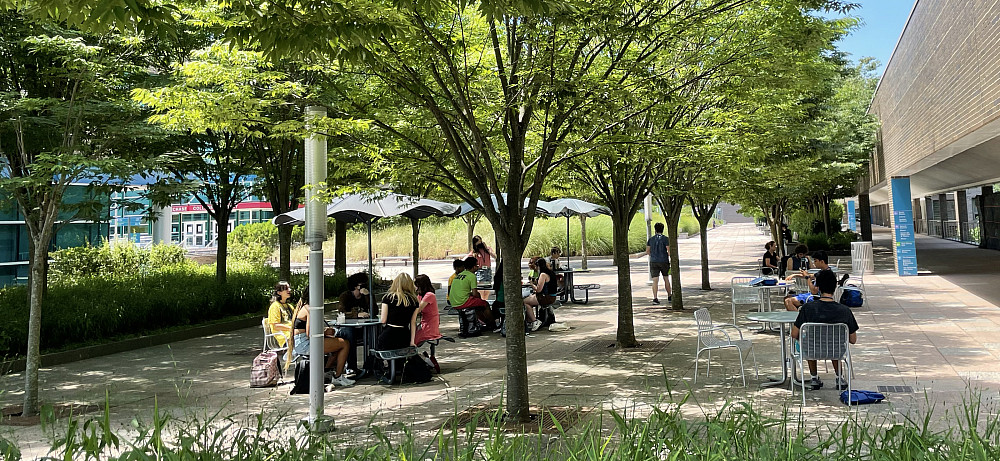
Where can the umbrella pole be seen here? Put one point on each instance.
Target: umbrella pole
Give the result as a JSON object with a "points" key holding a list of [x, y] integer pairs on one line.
{"points": [[371, 274], [567, 241]]}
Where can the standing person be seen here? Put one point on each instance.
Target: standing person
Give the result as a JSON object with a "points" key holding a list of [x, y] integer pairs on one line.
{"points": [[399, 314], [484, 265], [544, 293], [334, 348], [786, 236], [826, 310], [430, 319], [658, 250], [769, 262], [279, 314]]}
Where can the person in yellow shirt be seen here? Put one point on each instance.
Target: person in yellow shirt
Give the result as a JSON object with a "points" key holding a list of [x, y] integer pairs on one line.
{"points": [[279, 315]]}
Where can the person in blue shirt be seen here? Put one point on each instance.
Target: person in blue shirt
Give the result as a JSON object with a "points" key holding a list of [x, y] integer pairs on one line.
{"points": [[658, 250]]}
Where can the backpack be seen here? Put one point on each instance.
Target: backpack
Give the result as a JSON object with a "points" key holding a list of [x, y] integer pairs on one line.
{"points": [[265, 371], [301, 383], [546, 315], [852, 298], [862, 397], [415, 370]]}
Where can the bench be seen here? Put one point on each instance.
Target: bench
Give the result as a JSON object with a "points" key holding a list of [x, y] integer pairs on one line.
{"points": [[395, 354], [586, 287], [433, 343], [385, 259]]}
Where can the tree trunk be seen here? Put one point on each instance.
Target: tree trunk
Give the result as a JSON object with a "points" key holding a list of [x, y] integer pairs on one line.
{"points": [[340, 248], [673, 217], [517, 363], [285, 252], [36, 283], [583, 242], [470, 229], [222, 251], [826, 216], [415, 226], [706, 282], [625, 336]]}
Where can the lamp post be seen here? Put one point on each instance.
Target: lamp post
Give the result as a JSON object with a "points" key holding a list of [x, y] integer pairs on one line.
{"points": [[315, 235]]}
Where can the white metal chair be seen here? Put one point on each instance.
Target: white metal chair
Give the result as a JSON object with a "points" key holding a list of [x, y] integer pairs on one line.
{"points": [[801, 284], [824, 341], [712, 336], [744, 295], [271, 342]]}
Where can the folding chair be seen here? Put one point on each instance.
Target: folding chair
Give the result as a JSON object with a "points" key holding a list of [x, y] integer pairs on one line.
{"points": [[824, 341], [744, 295], [715, 337]]}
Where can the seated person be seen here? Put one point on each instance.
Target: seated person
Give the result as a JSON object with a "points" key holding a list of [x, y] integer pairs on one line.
{"points": [[399, 314], [457, 266], [354, 304], [463, 293], [334, 348], [430, 320], [533, 269], [826, 310], [544, 293], [769, 262], [279, 314], [553, 264], [793, 302], [800, 260]]}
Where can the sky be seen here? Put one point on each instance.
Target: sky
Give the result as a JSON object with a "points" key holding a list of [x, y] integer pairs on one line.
{"points": [[882, 22]]}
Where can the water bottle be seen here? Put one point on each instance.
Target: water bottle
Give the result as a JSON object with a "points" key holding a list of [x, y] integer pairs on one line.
{"points": [[341, 318], [804, 264]]}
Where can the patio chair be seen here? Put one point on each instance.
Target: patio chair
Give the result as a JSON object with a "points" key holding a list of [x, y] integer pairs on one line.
{"points": [[824, 341], [801, 284], [744, 295], [271, 343], [712, 336]]}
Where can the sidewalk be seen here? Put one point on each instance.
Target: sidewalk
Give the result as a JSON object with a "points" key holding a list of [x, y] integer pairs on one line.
{"points": [[923, 332]]}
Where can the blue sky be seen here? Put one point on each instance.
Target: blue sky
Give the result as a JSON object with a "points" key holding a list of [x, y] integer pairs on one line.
{"points": [[882, 22]]}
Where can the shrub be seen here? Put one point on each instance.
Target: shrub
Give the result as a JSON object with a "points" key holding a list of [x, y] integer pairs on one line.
{"points": [[81, 309], [804, 222], [815, 242], [113, 259], [262, 233]]}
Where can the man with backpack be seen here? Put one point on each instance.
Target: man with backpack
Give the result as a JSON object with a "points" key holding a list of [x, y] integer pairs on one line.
{"points": [[826, 310]]}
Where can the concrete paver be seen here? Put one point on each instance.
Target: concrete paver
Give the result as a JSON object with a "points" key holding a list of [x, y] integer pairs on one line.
{"points": [[924, 332]]}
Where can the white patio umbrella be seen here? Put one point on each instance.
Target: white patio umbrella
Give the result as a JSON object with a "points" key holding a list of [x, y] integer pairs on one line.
{"points": [[567, 207], [542, 208], [364, 208]]}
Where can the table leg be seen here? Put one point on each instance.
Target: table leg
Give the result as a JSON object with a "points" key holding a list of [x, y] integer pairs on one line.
{"points": [[569, 287], [784, 363]]}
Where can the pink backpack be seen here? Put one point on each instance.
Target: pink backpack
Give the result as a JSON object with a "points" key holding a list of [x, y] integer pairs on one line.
{"points": [[265, 371]]}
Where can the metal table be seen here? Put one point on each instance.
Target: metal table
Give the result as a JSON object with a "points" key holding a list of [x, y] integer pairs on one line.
{"points": [[370, 329], [568, 286], [781, 318]]}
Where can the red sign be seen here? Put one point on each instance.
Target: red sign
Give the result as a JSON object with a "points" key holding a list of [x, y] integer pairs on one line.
{"points": [[200, 209]]}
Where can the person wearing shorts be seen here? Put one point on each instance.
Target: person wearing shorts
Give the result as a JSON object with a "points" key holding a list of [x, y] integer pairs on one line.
{"points": [[658, 250]]}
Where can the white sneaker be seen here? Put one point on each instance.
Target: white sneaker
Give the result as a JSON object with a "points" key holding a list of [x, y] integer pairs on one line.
{"points": [[536, 325], [342, 380]]}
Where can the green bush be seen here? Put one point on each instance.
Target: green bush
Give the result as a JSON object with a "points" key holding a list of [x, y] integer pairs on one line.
{"points": [[803, 222], [815, 242], [82, 309], [113, 259], [842, 240], [262, 233]]}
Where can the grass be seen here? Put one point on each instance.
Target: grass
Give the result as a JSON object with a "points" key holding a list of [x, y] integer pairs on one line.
{"points": [[737, 430], [441, 238]]}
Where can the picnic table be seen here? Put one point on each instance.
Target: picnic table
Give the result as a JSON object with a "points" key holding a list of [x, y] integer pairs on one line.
{"points": [[569, 288], [370, 327]]}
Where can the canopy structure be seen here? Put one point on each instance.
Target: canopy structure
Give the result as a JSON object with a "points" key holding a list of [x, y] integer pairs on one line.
{"points": [[365, 208], [542, 208], [567, 207]]}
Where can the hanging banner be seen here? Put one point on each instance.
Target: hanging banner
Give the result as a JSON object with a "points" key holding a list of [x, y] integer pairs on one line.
{"points": [[853, 226], [903, 239]]}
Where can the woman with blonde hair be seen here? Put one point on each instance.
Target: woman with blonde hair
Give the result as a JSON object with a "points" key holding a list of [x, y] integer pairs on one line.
{"points": [[399, 314], [335, 349]]}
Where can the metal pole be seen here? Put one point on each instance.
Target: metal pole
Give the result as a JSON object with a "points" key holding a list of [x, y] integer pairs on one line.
{"points": [[567, 242], [648, 214], [315, 235], [371, 274]]}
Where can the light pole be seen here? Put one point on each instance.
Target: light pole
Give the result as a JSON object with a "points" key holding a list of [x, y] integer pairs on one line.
{"points": [[315, 235]]}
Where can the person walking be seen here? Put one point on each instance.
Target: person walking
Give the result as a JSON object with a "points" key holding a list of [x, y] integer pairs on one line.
{"points": [[658, 250]]}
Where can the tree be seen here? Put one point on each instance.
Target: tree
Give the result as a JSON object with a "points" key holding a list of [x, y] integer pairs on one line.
{"points": [[65, 119]]}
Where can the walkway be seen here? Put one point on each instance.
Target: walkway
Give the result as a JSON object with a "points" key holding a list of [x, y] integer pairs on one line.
{"points": [[925, 332]]}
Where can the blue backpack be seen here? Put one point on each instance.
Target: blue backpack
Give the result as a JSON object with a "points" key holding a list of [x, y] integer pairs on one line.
{"points": [[852, 298], [862, 397]]}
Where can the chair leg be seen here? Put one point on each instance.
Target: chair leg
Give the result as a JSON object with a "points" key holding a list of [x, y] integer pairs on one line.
{"points": [[802, 380], [696, 356], [743, 373], [753, 355], [708, 367]]}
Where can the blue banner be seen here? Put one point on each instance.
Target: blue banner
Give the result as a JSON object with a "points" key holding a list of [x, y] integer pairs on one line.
{"points": [[902, 225], [853, 226]]}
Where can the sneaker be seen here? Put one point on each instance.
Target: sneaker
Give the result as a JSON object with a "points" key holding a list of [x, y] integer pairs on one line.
{"points": [[497, 330], [670, 298], [816, 383], [841, 383], [536, 325], [328, 377], [342, 380], [656, 301]]}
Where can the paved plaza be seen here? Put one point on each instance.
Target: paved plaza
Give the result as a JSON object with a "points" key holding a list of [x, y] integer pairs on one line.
{"points": [[925, 332]]}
